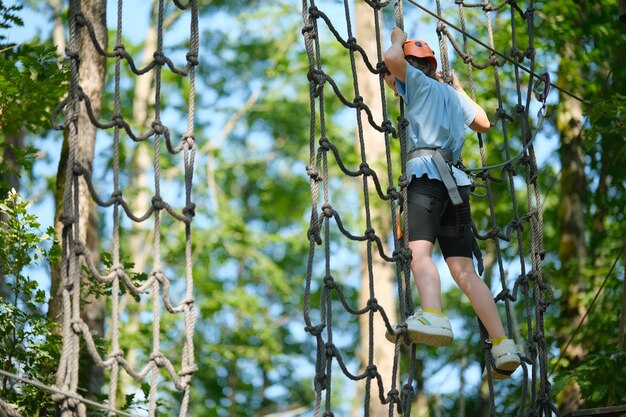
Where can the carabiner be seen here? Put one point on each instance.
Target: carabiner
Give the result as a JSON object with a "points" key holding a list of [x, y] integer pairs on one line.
{"points": [[545, 80]]}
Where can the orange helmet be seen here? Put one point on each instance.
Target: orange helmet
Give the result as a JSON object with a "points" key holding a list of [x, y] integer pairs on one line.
{"points": [[419, 49]]}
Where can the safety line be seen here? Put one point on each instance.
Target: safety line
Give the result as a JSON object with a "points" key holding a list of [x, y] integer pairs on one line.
{"points": [[517, 64], [591, 305]]}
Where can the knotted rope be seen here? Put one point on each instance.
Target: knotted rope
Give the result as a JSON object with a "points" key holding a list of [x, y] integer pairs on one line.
{"points": [[534, 386]]}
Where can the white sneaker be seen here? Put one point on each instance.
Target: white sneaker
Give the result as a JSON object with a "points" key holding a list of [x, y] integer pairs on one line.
{"points": [[425, 328], [506, 359]]}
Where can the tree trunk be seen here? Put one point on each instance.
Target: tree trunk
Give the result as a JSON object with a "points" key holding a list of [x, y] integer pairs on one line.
{"points": [[58, 32], [572, 251], [91, 75], [382, 272]]}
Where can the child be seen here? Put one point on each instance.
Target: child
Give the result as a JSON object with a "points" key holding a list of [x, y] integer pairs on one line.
{"points": [[438, 197]]}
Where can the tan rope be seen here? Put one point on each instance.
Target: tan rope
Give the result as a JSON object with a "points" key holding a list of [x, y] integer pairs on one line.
{"points": [[75, 253]]}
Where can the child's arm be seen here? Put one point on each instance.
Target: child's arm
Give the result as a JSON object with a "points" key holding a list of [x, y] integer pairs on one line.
{"points": [[394, 57], [481, 121]]}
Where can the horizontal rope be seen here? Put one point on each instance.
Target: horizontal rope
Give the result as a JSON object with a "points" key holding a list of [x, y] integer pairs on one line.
{"points": [[55, 390]]}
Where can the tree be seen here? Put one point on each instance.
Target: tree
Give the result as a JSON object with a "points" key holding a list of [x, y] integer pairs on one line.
{"points": [[371, 145], [590, 126], [91, 73]]}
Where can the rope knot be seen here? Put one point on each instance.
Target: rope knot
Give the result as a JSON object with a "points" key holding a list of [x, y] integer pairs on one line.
{"points": [[118, 269], [316, 76], [321, 382], [117, 355], [119, 50], [79, 248], [81, 20], [158, 203], [313, 234], [370, 234], [77, 327], [315, 330], [373, 305], [329, 282], [118, 120], [117, 197], [159, 276], [188, 301], [330, 350], [66, 219], [78, 169], [314, 12], [158, 127], [393, 193], [306, 29], [365, 169], [313, 173], [503, 295], [325, 144], [190, 210], [72, 54], [158, 359], [371, 371], [188, 371], [192, 58], [393, 396], [327, 210], [381, 68], [493, 61], [387, 127], [403, 254], [159, 58], [189, 140], [468, 59]]}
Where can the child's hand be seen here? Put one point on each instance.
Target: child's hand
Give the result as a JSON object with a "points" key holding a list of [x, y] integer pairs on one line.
{"points": [[398, 35]]}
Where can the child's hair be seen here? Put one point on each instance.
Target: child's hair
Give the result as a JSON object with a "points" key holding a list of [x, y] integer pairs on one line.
{"points": [[422, 64]]}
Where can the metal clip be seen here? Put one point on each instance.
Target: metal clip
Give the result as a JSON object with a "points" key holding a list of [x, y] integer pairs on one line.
{"points": [[545, 80]]}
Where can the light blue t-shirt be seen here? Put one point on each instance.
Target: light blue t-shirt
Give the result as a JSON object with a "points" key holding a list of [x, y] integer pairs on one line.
{"points": [[437, 116]]}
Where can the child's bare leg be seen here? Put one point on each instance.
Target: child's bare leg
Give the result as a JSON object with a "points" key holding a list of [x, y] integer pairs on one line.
{"points": [[479, 295], [425, 274]]}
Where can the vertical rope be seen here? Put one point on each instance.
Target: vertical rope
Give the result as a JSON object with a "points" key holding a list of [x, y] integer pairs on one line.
{"points": [[541, 296], [73, 250]]}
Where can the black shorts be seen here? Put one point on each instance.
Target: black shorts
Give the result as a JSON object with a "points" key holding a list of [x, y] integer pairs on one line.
{"points": [[432, 216]]}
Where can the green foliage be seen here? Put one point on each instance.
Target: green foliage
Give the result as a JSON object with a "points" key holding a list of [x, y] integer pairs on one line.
{"points": [[607, 360], [29, 346], [31, 84]]}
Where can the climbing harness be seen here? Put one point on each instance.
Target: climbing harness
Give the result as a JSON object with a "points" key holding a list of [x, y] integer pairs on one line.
{"points": [[443, 160]]}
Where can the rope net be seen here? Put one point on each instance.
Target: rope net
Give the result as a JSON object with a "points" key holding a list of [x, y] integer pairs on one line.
{"points": [[514, 237], [162, 293]]}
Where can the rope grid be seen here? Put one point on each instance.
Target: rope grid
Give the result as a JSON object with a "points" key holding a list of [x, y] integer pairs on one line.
{"points": [[75, 253], [537, 295]]}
